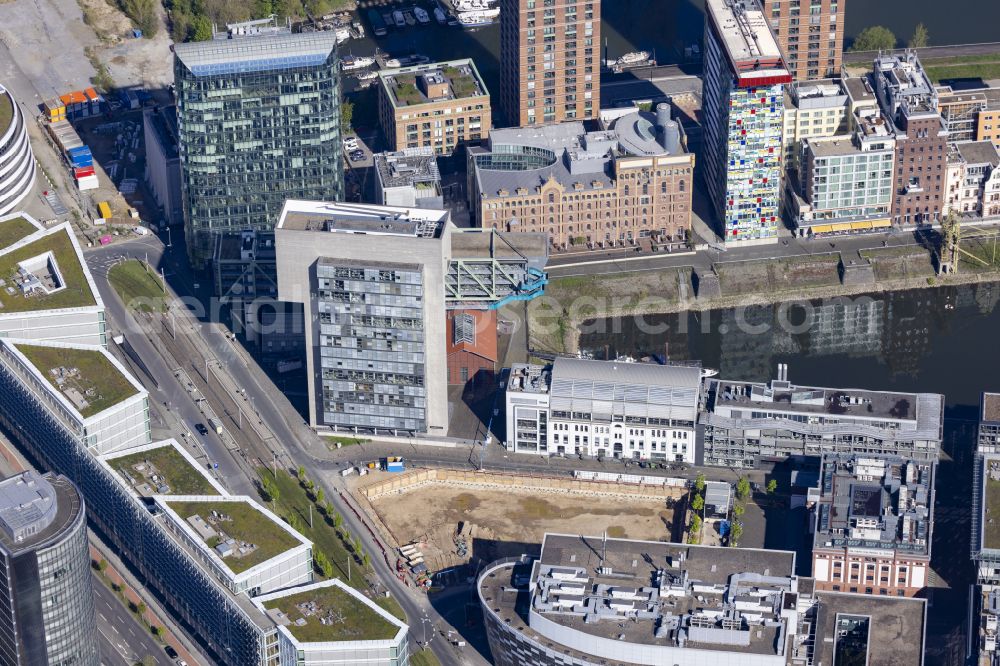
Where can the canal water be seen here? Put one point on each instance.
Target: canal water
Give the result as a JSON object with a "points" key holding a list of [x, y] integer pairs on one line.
{"points": [[665, 27], [940, 340]]}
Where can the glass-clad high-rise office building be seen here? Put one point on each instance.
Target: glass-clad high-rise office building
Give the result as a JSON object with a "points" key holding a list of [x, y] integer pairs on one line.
{"points": [[258, 111]]}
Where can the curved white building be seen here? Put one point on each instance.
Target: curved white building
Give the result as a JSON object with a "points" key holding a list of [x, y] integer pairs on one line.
{"points": [[17, 164]]}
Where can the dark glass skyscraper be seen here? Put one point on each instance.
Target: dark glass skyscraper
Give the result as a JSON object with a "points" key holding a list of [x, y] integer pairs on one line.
{"points": [[46, 600], [258, 112]]}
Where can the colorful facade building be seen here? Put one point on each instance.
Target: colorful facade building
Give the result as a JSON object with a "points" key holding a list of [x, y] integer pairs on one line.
{"points": [[744, 99]]}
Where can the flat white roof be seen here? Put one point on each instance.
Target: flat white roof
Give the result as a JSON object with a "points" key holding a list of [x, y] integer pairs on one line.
{"points": [[371, 219], [744, 30]]}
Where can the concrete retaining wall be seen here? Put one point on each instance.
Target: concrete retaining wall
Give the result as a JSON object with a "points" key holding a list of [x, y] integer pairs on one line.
{"points": [[488, 480]]}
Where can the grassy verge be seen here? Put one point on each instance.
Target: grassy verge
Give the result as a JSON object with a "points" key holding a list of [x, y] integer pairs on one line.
{"points": [[424, 658], [293, 504], [982, 70], [333, 440], [137, 286]]}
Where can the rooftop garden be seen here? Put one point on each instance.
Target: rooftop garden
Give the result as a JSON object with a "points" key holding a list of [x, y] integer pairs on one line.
{"points": [[242, 522], [81, 374], [77, 291], [462, 84], [6, 112], [170, 466], [407, 92], [991, 521], [331, 614], [15, 229]]}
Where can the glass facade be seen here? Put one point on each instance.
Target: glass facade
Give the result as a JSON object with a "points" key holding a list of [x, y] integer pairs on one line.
{"points": [[259, 123], [371, 345], [218, 619]]}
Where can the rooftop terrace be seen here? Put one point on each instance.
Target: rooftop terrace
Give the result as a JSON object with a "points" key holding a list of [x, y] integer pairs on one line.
{"points": [[991, 407], [162, 470], [368, 219], [875, 502], [329, 613], [240, 534], [990, 518], [785, 396], [86, 377], [44, 273], [433, 82], [662, 594]]}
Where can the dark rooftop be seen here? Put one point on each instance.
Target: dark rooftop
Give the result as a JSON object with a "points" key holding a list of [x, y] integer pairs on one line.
{"points": [[881, 502], [35, 509], [896, 627], [163, 121], [991, 407]]}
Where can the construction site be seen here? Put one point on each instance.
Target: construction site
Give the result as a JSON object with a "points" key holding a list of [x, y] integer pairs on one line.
{"points": [[454, 517]]}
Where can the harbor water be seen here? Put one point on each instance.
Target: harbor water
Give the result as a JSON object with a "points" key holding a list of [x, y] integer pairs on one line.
{"points": [[940, 340]]}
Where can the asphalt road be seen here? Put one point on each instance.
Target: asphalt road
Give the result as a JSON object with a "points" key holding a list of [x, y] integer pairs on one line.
{"points": [[123, 640], [958, 50], [168, 394]]}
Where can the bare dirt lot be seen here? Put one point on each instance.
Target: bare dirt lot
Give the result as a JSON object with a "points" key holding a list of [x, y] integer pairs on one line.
{"points": [[501, 523]]}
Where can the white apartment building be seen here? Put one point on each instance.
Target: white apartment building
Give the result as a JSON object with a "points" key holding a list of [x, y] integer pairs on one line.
{"points": [[368, 635], [973, 179], [93, 395], [813, 109], [46, 292], [636, 411]]}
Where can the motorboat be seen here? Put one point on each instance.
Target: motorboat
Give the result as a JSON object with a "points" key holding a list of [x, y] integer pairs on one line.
{"points": [[399, 19], [478, 17], [633, 58], [350, 63], [422, 15], [441, 17]]}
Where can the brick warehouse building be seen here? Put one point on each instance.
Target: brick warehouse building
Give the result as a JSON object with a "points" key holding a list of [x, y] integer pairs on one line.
{"points": [[472, 346]]}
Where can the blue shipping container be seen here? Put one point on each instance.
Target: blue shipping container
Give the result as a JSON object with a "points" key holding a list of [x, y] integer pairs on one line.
{"points": [[394, 467], [80, 150], [80, 161]]}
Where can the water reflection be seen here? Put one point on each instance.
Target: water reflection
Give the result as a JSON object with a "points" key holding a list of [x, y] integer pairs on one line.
{"points": [[939, 340]]}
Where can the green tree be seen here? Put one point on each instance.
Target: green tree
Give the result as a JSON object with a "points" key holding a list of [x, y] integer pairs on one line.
{"points": [[338, 521], [739, 510], [735, 532], [201, 29], [694, 531], [346, 116], [875, 38], [301, 472], [269, 488], [772, 485], [102, 565], [743, 488], [319, 497], [919, 38], [699, 483], [295, 522], [323, 564], [366, 561], [698, 503], [140, 609], [143, 14]]}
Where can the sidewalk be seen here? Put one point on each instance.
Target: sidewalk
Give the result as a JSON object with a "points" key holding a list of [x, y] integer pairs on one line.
{"points": [[152, 613]]}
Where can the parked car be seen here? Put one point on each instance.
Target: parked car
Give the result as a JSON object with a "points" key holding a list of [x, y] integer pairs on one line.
{"points": [[357, 155], [171, 652], [351, 143]]}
